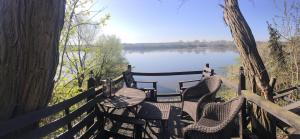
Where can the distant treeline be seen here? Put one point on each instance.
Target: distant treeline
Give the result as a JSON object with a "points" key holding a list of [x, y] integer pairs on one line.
{"points": [[219, 45]]}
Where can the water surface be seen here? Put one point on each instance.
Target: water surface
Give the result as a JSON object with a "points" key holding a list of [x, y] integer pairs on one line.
{"points": [[178, 60]]}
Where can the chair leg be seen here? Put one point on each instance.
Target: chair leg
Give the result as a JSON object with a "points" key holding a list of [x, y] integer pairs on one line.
{"points": [[145, 132], [182, 114]]}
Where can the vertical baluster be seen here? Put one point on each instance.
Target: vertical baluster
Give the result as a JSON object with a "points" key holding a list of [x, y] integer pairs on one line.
{"points": [[67, 112], [91, 89], [242, 113]]}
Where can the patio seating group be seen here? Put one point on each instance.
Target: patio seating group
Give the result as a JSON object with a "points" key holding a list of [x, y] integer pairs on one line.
{"points": [[211, 119]]}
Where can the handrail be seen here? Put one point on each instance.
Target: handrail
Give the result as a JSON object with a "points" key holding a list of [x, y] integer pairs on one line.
{"points": [[284, 92], [46, 129], [114, 81], [117, 79], [286, 116], [166, 73], [30, 118], [287, 89]]}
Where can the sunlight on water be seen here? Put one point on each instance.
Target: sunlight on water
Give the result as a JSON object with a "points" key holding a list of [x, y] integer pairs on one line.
{"points": [[179, 60]]}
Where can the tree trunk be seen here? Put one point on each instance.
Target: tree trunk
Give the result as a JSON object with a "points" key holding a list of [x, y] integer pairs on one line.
{"points": [[251, 60], [29, 36]]}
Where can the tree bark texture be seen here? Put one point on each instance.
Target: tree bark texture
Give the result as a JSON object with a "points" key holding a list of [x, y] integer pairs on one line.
{"points": [[29, 36], [246, 45]]}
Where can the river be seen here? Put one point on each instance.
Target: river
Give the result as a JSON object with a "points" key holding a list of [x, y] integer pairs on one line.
{"points": [[178, 60]]}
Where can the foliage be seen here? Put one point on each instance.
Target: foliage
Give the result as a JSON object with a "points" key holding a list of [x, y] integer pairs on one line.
{"points": [[276, 48], [281, 53], [288, 26], [79, 54], [78, 35], [226, 93], [81, 25], [109, 61]]}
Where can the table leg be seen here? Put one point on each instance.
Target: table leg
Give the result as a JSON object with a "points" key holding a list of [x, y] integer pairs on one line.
{"points": [[133, 110], [164, 129]]}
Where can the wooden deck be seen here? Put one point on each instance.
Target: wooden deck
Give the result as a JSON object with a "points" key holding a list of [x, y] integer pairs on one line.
{"points": [[174, 130], [80, 116]]}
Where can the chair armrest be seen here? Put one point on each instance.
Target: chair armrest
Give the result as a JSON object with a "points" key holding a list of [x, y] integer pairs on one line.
{"points": [[230, 110], [205, 99], [190, 81], [146, 81], [204, 129], [154, 83], [147, 89], [202, 126], [209, 109], [187, 81], [191, 91]]}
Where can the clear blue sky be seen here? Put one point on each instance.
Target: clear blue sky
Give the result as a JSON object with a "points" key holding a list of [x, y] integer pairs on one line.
{"points": [[136, 21]]}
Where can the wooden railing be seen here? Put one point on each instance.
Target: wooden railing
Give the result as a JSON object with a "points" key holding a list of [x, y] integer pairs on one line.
{"points": [[207, 71], [175, 94], [285, 92], [280, 113], [290, 120], [92, 119], [88, 112], [167, 73]]}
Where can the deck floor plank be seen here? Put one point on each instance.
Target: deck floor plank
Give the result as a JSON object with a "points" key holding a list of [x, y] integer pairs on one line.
{"points": [[174, 130]]}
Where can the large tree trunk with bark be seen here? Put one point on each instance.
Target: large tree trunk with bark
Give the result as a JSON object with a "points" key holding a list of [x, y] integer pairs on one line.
{"points": [[29, 36], [252, 62]]}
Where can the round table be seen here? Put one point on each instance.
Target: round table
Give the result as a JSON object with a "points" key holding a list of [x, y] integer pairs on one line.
{"points": [[124, 98]]}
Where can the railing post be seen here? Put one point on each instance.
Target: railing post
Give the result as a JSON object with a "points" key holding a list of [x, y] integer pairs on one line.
{"points": [[272, 84], [129, 68], [207, 71], [207, 65], [108, 87], [91, 89], [253, 85], [67, 112], [212, 72], [91, 85], [242, 113], [242, 79], [91, 81]]}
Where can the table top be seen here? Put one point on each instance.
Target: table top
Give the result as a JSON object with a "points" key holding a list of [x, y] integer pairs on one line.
{"points": [[125, 97]]}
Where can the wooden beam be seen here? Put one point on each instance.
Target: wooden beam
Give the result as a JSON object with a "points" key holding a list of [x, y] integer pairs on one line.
{"points": [[282, 95], [48, 128], [280, 113], [22, 121], [292, 106], [288, 89], [166, 73], [73, 131], [117, 79]]}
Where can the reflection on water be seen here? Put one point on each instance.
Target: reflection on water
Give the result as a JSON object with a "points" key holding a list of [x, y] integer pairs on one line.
{"points": [[178, 60]]}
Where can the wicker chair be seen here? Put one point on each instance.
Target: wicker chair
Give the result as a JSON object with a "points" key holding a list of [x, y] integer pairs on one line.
{"points": [[132, 83], [196, 96], [216, 122]]}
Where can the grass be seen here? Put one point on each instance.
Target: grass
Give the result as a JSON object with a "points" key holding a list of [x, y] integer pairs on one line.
{"points": [[226, 93]]}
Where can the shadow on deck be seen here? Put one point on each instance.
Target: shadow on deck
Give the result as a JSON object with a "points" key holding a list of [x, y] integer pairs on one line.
{"points": [[173, 130]]}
